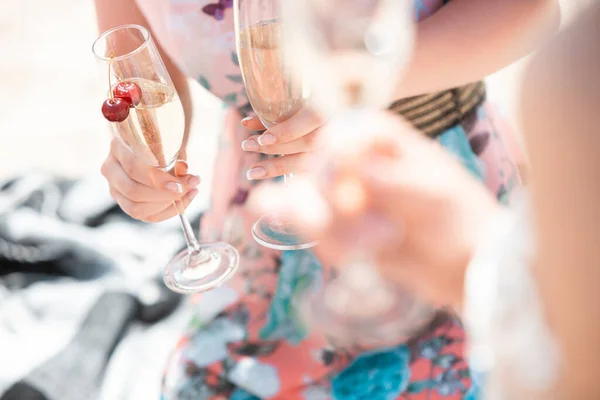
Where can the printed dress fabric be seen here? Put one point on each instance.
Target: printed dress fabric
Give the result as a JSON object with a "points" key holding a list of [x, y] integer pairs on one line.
{"points": [[246, 340]]}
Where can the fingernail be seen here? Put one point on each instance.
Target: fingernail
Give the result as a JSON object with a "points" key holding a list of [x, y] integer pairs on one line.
{"points": [[267, 139], [175, 187], [246, 120], [250, 145], [183, 164], [194, 181], [256, 173], [181, 168]]}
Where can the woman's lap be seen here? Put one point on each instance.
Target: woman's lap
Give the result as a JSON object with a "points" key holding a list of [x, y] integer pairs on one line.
{"points": [[257, 348]]}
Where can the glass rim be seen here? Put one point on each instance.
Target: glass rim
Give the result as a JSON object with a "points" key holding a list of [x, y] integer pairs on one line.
{"points": [[145, 35]]}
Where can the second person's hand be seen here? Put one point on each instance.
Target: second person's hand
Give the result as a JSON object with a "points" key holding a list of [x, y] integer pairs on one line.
{"points": [[394, 194], [295, 138]]}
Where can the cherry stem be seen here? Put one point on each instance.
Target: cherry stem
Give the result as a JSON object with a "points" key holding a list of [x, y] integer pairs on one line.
{"points": [[111, 56]]}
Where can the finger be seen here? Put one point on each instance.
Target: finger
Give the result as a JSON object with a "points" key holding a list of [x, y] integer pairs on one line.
{"points": [[253, 123], [135, 191], [291, 164], [171, 211], [140, 172], [303, 122], [137, 210], [365, 134], [303, 144]]}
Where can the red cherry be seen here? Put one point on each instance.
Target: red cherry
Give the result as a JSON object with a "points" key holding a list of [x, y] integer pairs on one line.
{"points": [[115, 110], [129, 92]]}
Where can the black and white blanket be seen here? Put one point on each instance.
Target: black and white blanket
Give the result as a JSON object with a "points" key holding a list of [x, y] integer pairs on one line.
{"points": [[79, 279]]}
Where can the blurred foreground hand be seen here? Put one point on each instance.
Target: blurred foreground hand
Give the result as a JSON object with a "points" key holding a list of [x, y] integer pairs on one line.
{"points": [[379, 186]]}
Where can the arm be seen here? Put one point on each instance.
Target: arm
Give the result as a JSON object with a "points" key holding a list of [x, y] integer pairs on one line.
{"points": [[562, 134], [111, 13], [467, 40]]}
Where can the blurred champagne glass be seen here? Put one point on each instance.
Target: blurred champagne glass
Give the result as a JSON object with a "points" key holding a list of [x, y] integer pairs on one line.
{"points": [[353, 52]]}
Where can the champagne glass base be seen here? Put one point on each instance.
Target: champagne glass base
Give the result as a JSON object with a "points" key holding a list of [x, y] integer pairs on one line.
{"points": [[279, 234], [358, 320], [212, 265]]}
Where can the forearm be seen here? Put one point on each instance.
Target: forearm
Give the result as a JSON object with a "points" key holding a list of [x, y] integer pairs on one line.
{"points": [[561, 131], [468, 40]]}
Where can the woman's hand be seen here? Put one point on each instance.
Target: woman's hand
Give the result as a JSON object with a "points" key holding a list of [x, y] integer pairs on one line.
{"points": [[144, 192], [295, 138], [390, 191]]}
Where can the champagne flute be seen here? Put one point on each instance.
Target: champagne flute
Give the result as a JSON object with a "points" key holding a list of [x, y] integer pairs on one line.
{"points": [[274, 93], [354, 52], [147, 116]]}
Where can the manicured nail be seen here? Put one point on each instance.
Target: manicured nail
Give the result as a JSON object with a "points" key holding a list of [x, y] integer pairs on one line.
{"points": [[183, 164], [250, 145], [175, 187], [181, 168], [194, 181], [246, 120], [267, 139], [256, 173]]}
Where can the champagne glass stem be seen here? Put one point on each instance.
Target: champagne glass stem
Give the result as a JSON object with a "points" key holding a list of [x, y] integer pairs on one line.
{"points": [[192, 243], [190, 238]]}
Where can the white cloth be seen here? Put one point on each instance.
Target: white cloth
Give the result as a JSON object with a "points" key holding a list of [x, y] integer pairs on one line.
{"points": [[509, 340]]}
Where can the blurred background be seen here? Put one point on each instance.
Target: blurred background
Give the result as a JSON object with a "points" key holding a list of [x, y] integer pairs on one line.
{"points": [[49, 91], [50, 123]]}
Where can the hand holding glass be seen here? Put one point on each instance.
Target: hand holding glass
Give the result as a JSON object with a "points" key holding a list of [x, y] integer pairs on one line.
{"points": [[274, 93], [147, 116]]}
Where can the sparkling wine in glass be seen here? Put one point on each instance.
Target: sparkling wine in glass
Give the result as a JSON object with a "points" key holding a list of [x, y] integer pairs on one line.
{"points": [[274, 93], [354, 52], [146, 115]]}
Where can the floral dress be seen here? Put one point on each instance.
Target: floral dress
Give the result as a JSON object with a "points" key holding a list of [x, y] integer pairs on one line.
{"points": [[246, 340]]}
